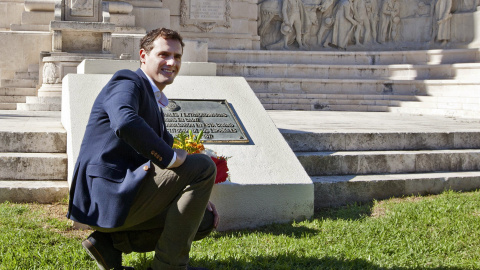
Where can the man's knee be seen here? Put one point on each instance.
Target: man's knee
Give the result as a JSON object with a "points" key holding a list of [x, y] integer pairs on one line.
{"points": [[206, 163]]}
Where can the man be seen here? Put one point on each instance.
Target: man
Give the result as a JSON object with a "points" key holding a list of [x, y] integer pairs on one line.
{"points": [[441, 15], [388, 20], [344, 24], [129, 185], [294, 17]]}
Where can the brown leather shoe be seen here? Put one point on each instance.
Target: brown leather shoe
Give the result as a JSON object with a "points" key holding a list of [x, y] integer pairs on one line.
{"points": [[99, 247]]}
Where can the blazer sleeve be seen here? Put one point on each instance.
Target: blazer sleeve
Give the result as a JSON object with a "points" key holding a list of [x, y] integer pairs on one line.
{"points": [[122, 104]]}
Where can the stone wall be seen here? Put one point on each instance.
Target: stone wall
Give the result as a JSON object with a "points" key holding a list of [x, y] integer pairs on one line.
{"points": [[21, 49], [226, 24], [10, 13]]}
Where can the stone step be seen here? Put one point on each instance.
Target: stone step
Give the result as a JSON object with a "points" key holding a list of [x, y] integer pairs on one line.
{"points": [[327, 102], [474, 113], [454, 88], [336, 96], [26, 75], [33, 191], [33, 68], [37, 166], [445, 103], [347, 189], [12, 99], [33, 142], [392, 72], [328, 105], [8, 106], [38, 107], [44, 100], [381, 141], [345, 58], [383, 162], [18, 83], [17, 91]]}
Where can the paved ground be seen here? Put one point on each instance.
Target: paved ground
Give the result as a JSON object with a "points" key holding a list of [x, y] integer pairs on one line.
{"points": [[286, 121], [359, 122], [30, 121]]}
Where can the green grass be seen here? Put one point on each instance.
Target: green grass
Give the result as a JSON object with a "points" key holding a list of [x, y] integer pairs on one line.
{"points": [[434, 232]]}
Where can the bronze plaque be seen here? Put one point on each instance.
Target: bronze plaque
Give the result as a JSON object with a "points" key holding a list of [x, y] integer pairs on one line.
{"points": [[214, 117]]}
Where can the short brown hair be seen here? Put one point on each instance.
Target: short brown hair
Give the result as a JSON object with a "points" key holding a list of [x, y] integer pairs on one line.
{"points": [[147, 41]]}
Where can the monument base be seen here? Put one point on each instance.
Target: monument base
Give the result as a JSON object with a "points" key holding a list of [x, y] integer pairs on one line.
{"points": [[267, 182]]}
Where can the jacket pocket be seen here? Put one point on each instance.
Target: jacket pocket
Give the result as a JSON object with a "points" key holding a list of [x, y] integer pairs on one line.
{"points": [[104, 172]]}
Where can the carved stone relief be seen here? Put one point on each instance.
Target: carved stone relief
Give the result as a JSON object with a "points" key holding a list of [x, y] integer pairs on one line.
{"points": [[50, 73], [205, 14], [82, 10], [358, 24]]}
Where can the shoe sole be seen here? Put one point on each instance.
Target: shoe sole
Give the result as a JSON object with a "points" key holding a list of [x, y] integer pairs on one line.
{"points": [[94, 254]]}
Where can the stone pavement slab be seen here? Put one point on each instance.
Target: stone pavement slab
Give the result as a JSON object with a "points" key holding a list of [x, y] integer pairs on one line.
{"points": [[32, 121], [368, 122]]}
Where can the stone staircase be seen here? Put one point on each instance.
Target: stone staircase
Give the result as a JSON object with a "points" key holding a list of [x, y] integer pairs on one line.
{"points": [[20, 93], [33, 159], [15, 91], [441, 82], [405, 158]]}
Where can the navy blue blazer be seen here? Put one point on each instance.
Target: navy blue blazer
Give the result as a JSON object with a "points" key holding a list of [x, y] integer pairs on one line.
{"points": [[125, 132]]}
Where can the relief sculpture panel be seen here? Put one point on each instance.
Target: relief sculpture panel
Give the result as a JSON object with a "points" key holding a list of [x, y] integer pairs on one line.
{"points": [[361, 24]]}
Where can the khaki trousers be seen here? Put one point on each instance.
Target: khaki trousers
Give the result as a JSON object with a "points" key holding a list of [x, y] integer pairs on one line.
{"points": [[169, 212]]}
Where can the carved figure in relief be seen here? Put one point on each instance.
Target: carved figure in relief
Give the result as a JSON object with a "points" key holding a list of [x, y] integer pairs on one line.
{"points": [[270, 13], [441, 15], [294, 19], [372, 15], [363, 30], [423, 10], [389, 20], [345, 24], [466, 5], [312, 20], [50, 74], [326, 24]]}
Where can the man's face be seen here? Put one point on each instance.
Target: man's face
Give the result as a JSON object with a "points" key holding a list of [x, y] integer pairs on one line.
{"points": [[163, 62]]}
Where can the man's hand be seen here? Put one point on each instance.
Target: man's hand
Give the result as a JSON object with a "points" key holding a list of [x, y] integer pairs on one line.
{"points": [[216, 217], [181, 156]]}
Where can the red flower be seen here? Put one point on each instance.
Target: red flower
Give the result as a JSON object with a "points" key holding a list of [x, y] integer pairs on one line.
{"points": [[222, 169]]}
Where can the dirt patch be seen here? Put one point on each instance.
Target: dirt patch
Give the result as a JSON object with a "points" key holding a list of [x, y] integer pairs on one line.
{"points": [[59, 211], [380, 208]]}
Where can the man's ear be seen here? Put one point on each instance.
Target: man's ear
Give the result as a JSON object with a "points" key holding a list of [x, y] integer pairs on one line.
{"points": [[142, 54]]}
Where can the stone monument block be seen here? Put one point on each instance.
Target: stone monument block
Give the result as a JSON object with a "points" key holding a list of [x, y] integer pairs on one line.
{"points": [[267, 182]]}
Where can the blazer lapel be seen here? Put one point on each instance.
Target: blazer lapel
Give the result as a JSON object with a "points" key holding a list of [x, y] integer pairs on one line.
{"points": [[153, 103]]}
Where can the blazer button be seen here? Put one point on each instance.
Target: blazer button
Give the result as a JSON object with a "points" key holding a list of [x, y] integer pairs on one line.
{"points": [[145, 168]]}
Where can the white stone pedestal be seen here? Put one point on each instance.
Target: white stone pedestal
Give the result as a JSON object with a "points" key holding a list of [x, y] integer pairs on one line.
{"points": [[268, 183]]}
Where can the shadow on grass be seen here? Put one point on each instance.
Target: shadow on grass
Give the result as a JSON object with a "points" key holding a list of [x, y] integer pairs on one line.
{"points": [[287, 262], [292, 262], [354, 211]]}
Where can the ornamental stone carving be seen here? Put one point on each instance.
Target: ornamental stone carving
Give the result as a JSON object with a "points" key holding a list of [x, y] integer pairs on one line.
{"points": [[206, 14], [50, 73], [361, 24]]}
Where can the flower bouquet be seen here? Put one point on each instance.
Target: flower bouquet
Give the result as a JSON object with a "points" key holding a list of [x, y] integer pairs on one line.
{"points": [[193, 145]]}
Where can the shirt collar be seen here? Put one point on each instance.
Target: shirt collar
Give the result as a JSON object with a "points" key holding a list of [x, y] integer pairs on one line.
{"points": [[162, 99]]}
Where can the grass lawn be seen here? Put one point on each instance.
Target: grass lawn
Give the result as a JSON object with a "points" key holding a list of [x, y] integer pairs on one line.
{"points": [[433, 232]]}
